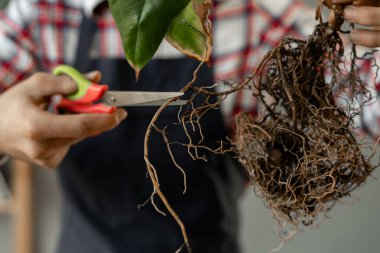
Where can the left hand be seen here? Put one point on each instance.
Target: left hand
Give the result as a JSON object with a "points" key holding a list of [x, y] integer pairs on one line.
{"points": [[366, 13]]}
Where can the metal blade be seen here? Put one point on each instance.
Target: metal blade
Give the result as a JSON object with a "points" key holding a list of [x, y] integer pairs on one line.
{"points": [[139, 98], [161, 102]]}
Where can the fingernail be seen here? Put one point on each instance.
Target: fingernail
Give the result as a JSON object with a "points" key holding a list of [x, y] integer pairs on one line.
{"points": [[350, 13], [93, 75]]}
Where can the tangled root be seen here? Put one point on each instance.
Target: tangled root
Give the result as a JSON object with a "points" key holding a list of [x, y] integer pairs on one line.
{"points": [[301, 154]]}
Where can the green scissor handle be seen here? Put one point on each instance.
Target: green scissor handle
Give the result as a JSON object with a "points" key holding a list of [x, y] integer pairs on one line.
{"points": [[81, 81], [82, 101]]}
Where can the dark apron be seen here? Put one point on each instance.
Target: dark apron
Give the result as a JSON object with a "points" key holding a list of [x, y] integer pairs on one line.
{"points": [[104, 178]]}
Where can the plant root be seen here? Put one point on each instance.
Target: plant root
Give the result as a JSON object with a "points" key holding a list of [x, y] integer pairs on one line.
{"points": [[301, 153]]}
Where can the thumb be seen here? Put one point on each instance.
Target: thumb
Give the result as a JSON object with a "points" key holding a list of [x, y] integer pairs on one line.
{"points": [[94, 76], [41, 85]]}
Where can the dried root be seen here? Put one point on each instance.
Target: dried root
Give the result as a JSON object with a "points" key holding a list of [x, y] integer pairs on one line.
{"points": [[302, 154]]}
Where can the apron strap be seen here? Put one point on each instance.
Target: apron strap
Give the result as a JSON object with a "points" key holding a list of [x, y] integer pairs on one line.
{"points": [[86, 38]]}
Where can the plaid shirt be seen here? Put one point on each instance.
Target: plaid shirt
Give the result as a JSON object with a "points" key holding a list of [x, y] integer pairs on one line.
{"points": [[40, 34]]}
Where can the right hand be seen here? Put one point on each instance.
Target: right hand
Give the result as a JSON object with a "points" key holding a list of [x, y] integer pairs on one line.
{"points": [[366, 13], [29, 132]]}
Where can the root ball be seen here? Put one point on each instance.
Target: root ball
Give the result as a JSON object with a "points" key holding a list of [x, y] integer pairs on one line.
{"points": [[301, 153]]}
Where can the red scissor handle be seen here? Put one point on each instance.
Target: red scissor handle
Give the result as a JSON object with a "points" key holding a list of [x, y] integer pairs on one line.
{"points": [[93, 93], [75, 107], [87, 93]]}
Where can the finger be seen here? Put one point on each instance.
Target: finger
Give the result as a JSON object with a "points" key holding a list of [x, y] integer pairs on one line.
{"points": [[49, 153], [362, 15], [42, 85], [51, 146], [54, 161], [368, 38], [78, 125], [357, 2], [57, 149], [94, 76], [342, 1]]}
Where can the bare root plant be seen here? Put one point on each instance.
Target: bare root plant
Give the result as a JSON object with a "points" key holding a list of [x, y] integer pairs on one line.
{"points": [[301, 153]]}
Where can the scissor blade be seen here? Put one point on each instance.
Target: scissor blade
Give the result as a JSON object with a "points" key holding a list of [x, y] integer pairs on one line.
{"points": [[138, 98], [161, 102]]}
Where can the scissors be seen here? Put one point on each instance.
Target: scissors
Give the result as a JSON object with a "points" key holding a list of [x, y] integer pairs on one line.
{"points": [[83, 100]]}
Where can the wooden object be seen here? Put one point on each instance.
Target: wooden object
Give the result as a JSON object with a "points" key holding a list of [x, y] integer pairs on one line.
{"points": [[22, 213], [19, 207]]}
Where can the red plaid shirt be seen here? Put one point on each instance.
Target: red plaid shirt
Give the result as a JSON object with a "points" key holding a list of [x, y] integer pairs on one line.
{"points": [[40, 34]]}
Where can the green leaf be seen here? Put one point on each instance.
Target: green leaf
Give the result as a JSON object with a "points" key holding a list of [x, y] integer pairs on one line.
{"points": [[143, 25], [190, 31]]}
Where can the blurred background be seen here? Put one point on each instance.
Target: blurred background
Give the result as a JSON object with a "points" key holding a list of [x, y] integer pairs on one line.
{"points": [[352, 227]]}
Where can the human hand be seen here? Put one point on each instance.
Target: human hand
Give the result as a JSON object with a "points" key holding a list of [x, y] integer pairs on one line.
{"points": [[366, 13], [28, 131]]}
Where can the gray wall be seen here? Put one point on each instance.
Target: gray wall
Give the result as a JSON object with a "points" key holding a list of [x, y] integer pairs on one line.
{"points": [[352, 228]]}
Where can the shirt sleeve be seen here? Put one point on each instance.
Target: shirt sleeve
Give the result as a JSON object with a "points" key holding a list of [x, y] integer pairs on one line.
{"points": [[17, 51], [257, 27]]}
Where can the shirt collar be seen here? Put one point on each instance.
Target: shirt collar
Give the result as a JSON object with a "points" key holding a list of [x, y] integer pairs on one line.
{"points": [[90, 5]]}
